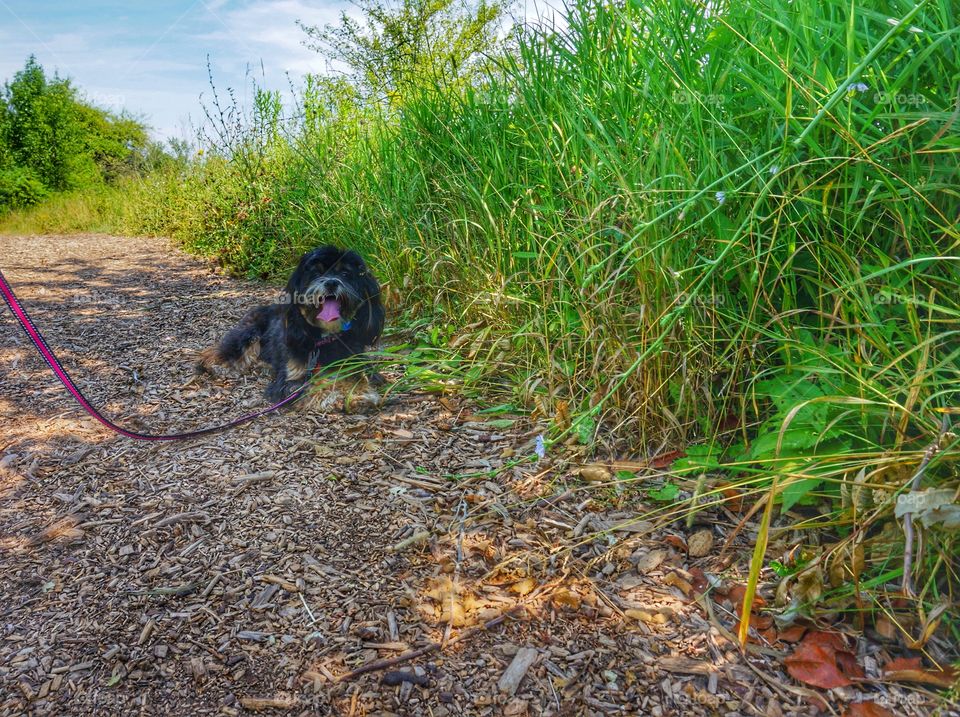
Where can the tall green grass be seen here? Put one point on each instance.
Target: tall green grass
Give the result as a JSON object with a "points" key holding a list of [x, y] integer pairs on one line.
{"points": [[731, 228]]}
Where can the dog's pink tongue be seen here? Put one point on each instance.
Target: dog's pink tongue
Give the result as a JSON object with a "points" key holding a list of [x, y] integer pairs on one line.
{"points": [[330, 310]]}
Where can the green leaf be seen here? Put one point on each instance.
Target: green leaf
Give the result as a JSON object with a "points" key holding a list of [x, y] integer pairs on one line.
{"points": [[779, 569], [798, 490], [666, 494], [584, 427], [502, 408], [795, 440], [698, 458]]}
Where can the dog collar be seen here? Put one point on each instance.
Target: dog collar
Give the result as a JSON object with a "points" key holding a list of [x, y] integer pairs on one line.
{"points": [[345, 326]]}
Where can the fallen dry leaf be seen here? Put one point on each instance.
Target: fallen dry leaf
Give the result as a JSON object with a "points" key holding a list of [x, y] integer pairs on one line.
{"points": [[699, 580], [651, 618], [675, 541], [700, 543], [595, 473], [566, 598], [674, 579], [910, 669], [792, 633], [734, 498], [649, 562], [866, 709], [735, 596], [822, 660], [664, 460]]}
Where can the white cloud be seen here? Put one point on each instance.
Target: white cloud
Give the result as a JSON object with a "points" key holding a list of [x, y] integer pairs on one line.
{"points": [[268, 30], [159, 71]]}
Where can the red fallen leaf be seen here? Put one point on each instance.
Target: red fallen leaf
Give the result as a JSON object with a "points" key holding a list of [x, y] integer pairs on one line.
{"points": [[734, 498], [675, 541], [866, 709], [832, 640], [768, 636], [761, 622], [816, 665], [735, 597], [910, 669], [821, 660], [792, 633], [903, 663], [665, 459], [849, 665], [699, 582]]}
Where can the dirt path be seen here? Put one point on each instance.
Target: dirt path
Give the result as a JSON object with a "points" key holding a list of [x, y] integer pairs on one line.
{"points": [[249, 570]]}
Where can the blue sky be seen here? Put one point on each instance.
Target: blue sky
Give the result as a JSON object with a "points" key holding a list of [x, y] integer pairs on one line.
{"points": [[150, 58]]}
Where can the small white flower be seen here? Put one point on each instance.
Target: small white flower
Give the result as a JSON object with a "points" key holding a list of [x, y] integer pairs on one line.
{"points": [[774, 169], [859, 87], [540, 447], [721, 197]]}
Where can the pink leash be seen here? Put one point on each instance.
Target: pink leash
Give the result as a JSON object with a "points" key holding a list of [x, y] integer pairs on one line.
{"points": [[57, 368]]}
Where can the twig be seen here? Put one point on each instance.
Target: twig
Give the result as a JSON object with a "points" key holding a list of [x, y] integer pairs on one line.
{"points": [[928, 454], [419, 537], [193, 516], [313, 619], [462, 516]]}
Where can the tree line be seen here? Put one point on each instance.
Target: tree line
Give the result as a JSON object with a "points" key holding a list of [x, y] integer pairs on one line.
{"points": [[52, 139]]}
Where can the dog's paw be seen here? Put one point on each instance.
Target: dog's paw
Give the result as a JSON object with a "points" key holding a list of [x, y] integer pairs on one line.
{"points": [[279, 390]]}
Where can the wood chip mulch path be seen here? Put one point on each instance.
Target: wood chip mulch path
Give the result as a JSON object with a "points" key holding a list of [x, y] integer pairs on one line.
{"points": [[271, 569]]}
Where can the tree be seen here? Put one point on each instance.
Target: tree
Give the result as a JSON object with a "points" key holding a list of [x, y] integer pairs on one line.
{"points": [[406, 47], [49, 133], [40, 127]]}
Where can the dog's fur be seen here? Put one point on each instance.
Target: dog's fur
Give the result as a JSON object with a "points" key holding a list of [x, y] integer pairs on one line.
{"points": [[287, 335]]}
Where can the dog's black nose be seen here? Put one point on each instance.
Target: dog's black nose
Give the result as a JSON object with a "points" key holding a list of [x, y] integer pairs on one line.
{"points": [[331, 285]]}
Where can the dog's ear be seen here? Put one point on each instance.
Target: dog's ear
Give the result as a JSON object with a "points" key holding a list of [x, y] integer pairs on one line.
{"points": [[370, 315], [295, 326]]}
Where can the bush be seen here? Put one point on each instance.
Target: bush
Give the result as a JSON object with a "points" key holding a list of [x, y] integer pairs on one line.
{"points": [[20, 187], [66, 142]]}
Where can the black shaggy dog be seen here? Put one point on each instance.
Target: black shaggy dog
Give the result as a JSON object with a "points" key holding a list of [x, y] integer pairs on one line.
{"points": [[331, 310]]}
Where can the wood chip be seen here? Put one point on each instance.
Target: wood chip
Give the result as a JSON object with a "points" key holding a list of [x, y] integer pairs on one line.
{"points": [[259, 704], [512, 677]]}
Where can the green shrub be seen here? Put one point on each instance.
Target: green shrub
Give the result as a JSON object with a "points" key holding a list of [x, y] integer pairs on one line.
{"points": [[20, 187]]}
